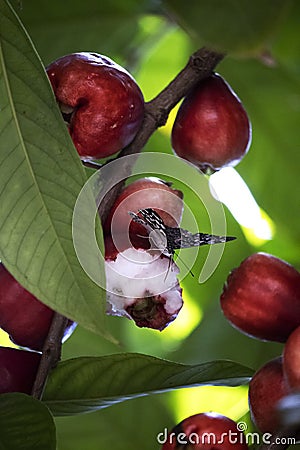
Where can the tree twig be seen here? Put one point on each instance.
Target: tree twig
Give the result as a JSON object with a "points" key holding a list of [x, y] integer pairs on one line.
{"points": [[200, 65], [51, 353]]}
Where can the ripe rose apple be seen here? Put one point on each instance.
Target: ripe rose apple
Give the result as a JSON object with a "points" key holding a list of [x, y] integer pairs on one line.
{"points": [[143, 193], [262, 297], [23, 316], [266, 388], [142, 286], [17, 370], [212, 129], [101, 101], [291, 360], [205, 431]]}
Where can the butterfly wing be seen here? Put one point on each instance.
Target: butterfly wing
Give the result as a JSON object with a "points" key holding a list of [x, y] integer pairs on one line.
{"points": [[185, 239], [152, 219]]}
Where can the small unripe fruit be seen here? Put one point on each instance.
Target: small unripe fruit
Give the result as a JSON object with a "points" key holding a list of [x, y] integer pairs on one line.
{"points": [[291, 360], [206, 431], [23, 316], [262, 297], [18, 369], [266, 388], [101, 101], [212, 129]]}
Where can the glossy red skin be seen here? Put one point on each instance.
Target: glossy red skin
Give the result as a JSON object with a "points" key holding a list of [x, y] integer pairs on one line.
{"points": [[22, 315], [214, 425], [262, 298], [291, 360], [143, 193], [266, 388], [17, 370], [107, 104], [212, 129]]}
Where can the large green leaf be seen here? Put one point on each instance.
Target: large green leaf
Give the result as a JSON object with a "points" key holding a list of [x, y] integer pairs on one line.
{"points": [[90, 383], [236, 26], [40, 178], [25, 424]]}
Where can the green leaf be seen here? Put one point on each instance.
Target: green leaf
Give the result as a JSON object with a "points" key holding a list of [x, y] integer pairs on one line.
{"points": [[90, 383], [25, 424], [237, 26], [122, 427], [41, 176]]}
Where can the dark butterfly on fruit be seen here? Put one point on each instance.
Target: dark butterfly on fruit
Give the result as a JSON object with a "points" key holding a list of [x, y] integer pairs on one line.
{"points": [[168, 239]]}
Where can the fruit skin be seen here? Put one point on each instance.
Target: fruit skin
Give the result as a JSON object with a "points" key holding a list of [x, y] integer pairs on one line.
{"points": [[291, 360], [266, 388], [209, 427], [105, 102], [17, 370], [148, 192], [262, 297], [23, 316], [212, 129]]}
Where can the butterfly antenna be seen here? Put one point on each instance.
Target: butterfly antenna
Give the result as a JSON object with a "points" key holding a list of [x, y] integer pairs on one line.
{"points": [[185, 265]]}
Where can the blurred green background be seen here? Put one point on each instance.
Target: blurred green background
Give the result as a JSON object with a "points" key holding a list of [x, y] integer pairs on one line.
{"points": [[153, 40]]}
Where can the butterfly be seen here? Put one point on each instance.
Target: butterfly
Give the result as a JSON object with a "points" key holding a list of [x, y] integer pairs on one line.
{"points": [[168, 239]]}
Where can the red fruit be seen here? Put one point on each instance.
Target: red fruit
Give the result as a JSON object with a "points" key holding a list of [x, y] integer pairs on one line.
{"points": [[100, 99], [23, 316], [212, 129], [142, 286], [206, 431], [291, 360], [266, 388], [144, 193], [262, 298], [17, 370]]}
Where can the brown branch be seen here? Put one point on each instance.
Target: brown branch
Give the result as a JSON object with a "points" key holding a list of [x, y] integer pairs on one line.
{"points": [[51, 353], [200, 65]]}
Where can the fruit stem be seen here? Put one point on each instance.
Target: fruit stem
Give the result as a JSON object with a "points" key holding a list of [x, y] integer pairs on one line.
{"points": [[51, 353], [200, 65]]}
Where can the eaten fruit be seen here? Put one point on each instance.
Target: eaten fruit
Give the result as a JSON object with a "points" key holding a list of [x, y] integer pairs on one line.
{"points": [[262, 297], [142, 286], [212, 129], [209, 431], [18, 369], [99, 99], [23, 316]]}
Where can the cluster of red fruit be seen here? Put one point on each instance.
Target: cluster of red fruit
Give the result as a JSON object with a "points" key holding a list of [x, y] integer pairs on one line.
{"points": [[27, 321], [262, 299], [104, 109]]}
